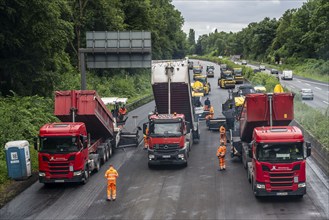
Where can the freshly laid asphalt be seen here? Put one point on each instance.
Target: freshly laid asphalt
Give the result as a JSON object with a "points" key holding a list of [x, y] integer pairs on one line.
{"points": [[198, 191]]}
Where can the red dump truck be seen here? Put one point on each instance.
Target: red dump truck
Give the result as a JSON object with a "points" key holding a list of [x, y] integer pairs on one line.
{"points": [[272, 151], [172, 128], [70, 150]]}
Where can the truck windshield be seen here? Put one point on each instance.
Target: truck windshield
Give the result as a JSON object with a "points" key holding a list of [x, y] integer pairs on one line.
{"points": [[166, 129], [59, 144], [285, 152]]}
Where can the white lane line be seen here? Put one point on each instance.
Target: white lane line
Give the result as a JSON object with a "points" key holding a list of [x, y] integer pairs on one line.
{"points": [[318, 88], [299, 80], [326, 102], [307, 84], [321, 84], [292, 87]]}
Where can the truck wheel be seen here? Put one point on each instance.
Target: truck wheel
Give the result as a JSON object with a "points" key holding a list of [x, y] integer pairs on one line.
{"points": [[85, 175], [102, 152], [97, 164], [110, 150]]}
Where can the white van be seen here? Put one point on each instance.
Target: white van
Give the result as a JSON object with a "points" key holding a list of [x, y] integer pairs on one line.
{"points": [[286, 74]]}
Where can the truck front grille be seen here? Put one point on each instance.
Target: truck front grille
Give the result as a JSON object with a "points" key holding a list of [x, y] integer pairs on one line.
{"points": [[58, 168], [166, 148], [282, 179]]}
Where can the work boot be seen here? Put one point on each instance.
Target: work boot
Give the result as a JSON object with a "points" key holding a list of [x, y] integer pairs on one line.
{"points": [[113, 199], [108, 199]]}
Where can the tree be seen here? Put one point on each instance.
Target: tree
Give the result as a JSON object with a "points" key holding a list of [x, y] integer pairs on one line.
{"points": [[33, 37]]}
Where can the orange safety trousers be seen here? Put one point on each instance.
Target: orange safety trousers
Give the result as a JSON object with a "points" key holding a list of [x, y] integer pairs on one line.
{"points": [[111, 190], [221, 151], [146, 143]]}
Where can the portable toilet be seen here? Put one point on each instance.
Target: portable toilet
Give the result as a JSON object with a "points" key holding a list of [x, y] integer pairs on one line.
{"points": [[18, 159]]}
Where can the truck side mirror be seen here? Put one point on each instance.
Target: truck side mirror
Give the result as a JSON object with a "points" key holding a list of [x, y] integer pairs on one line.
{"points": [[35, 140], [144, 128], [308, 149]]}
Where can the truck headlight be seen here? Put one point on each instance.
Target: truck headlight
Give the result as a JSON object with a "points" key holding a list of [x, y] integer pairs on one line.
{"points": [[260, 186], [151, 156], [301, 185], [181, 156], [42, 174], [77, 173]]}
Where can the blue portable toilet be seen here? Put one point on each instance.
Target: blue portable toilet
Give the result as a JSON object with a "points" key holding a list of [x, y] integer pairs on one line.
{"points": [[18, 159]]}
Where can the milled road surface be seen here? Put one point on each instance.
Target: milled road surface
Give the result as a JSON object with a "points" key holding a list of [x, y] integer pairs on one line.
{"points": [[198, 191]]}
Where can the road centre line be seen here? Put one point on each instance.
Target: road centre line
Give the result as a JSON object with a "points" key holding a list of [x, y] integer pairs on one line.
{"points": [[318, 88], [307, 84], [326, 102], [321, 84]]}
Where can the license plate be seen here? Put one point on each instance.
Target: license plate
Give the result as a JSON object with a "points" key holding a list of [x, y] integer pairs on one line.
{"points": [[166, 156], [59, 181], [281, 193]]}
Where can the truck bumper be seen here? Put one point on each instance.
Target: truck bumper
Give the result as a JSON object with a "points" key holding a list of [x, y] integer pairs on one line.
{"points": [[156, 158], [75, 179], [263, 192]]}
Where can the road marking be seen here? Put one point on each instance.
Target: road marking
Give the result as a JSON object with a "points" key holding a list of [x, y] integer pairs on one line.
{"points": [[321, 84], [326, 102], [293, 87], [318, 88], [307, 84], [299, 81]]}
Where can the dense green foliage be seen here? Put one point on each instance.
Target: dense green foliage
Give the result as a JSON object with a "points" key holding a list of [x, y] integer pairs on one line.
{"points": [[299, 38], [21, 118], [39, 40]]}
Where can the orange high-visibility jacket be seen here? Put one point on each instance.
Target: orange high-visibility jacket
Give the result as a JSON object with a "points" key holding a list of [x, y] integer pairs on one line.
{"points": [[211, 110], [111, 175], [123, 111], [221, 151]]}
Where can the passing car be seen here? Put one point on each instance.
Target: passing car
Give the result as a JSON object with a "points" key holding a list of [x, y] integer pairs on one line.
{"points": [[274, 71], [244, 62], [262, 68], [260, 89], [307, 94], [245, 89]]}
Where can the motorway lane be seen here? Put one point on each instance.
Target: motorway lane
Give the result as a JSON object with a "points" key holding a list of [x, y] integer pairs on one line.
{"points": [[196, 192], [320, 90]]}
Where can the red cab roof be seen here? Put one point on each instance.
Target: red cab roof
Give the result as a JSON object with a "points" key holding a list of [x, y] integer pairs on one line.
{"points": [[278, 134], [63, 129]]}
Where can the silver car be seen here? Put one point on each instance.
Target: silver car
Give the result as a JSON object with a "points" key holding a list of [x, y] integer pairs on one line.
{"points": [[307, 94]]}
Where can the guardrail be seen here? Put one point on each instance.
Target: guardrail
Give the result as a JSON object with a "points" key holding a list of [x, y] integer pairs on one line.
{"points": [[139, 102]]}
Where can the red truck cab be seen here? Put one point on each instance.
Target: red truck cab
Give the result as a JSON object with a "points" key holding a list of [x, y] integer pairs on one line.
{"points": [[278, 166], [169, 141], [63, 153]]}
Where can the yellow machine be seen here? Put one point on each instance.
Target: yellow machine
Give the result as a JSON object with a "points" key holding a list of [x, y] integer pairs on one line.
{"points": [[237, 73], [206, 85], [226, 80], [197, 71]]}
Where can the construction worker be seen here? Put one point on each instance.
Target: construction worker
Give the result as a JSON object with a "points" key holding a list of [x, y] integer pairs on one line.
{"points": [[278, 89], [111, 175], [211, 114], [206, 104], [222, 137], [146, 144], [221, 151], [122, 112]]}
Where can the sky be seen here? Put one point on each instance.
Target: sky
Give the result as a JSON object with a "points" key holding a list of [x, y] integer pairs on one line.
{"points": [[229, 15]]}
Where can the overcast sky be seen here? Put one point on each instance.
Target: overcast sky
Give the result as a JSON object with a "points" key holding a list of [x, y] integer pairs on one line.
{"points": [[229, 15]]}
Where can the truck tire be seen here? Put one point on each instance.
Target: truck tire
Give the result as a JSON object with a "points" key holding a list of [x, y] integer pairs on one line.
{"points": [[86, 175], [97, 165], [101, 151], [109, 150]]}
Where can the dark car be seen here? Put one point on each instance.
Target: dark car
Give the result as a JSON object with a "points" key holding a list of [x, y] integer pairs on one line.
{"points": [[245, 89], [274, 71]]}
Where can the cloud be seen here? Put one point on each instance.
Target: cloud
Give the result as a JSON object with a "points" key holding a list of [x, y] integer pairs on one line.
{"points": [[230, 15]]}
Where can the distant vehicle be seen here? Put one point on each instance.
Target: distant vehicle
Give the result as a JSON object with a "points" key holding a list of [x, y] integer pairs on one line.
{"points": [[307, 94], [210, 73], [274, 71], [220, 57], [210, 67], [260, 89], [246, 89], [287, 74], [197, 71], [244, 62], [238, 77], [223, 67], [262, 68]]}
